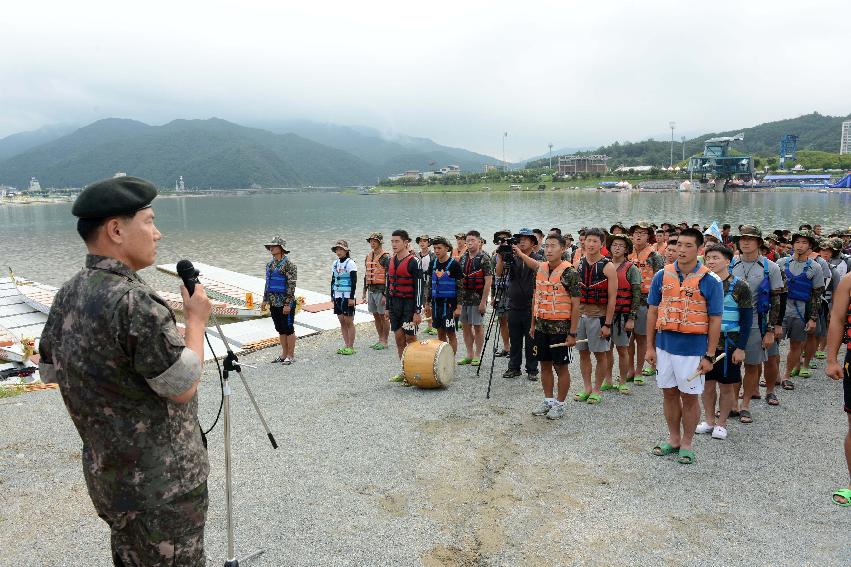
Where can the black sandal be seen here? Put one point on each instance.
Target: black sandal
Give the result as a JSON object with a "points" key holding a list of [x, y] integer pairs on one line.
{"points": [[745, 416], [787, 385], [771, 399]]}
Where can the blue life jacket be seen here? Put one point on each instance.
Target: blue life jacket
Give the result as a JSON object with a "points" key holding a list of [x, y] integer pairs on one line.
{"points": [[276, 282], [342, 280], [800, 286], [763, 292], [442, 286], [730, 317]]}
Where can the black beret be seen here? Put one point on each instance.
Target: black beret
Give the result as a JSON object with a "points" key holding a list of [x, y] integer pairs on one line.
{"points": [[114, 197]]}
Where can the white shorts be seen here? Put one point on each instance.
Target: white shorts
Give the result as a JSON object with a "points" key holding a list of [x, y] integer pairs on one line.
{"points": [[673, 371]]}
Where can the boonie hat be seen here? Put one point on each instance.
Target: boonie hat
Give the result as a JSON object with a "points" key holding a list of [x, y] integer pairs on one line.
{"points": [[113, 197], [808, 234], [460, 235], [527, 232], [277, 241], [622, 237], [750, 230], [422, 237], [375, 236], [836, 243], [441, 240], [340, 244], [619, 225]]}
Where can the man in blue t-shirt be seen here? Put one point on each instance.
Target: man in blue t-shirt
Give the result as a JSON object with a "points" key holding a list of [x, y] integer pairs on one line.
{"points": [[686, 302]]}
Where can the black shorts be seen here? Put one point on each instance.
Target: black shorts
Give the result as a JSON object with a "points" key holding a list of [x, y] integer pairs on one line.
{"points": [[401, 313], [342, 307], [846, 383], [284, 324], [724, 371], [442, 317], [543, 352]]}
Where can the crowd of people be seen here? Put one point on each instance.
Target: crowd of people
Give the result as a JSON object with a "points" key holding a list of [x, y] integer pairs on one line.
{"points": [[701, 309]]}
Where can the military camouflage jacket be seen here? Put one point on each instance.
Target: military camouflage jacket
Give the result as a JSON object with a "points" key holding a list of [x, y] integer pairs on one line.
{"points": [[111, 344]]}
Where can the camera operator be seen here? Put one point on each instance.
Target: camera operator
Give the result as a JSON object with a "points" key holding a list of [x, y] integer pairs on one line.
{"points": [[519, 293], [129, 381]]}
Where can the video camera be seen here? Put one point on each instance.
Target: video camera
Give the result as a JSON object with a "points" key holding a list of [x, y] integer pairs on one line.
{"points": [[504, 245]]}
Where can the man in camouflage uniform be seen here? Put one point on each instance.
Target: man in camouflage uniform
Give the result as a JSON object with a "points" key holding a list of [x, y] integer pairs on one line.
{"points": [[129, 381], [279, 297]]}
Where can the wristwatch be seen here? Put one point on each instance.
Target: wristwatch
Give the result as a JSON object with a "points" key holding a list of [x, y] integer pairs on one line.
{"points": [[607, 325], [569, 334], [709, 358]]}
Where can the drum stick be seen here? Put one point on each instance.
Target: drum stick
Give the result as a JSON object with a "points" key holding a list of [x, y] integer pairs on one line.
{"points": [[565, 344], [698, 373]]}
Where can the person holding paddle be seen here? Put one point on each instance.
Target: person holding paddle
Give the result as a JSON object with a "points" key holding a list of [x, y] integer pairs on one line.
{"points": [[686, 302]]}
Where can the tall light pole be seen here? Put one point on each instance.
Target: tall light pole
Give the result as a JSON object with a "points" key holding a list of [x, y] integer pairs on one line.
{"points": [[672, 125], [551, 154], [504, 166], [683, 139]]}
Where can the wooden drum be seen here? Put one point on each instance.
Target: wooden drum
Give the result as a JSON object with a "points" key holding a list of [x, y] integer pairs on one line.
{"points": [[429, 364]]}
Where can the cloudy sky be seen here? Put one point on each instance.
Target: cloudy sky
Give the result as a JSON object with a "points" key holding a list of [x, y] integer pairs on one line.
{"points": [[459, 72]]}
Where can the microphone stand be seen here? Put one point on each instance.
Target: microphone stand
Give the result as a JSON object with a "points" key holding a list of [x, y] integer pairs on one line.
{"points": [[231, 363]]}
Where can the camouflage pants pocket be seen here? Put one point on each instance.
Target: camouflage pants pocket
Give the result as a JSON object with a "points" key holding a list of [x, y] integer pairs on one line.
{"points": [[169, 535]]}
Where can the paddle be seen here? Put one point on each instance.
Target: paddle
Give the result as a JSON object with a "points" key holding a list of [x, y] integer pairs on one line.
{"points": [[698, 373]]}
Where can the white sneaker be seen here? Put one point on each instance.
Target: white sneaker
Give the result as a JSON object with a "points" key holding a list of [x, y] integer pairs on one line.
{"points": [[719, 432], [703, 427], [542, 409], [287, 361], [556, 411]]}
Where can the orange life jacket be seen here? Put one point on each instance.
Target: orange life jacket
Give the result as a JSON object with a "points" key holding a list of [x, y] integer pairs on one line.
{"points": [[646, 269], [683, 308], [551, 299], [624, 298], [375, 273], [661, 247], [577, 256]]}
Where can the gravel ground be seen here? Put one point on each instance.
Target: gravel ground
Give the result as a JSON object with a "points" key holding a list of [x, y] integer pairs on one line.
{"points": [[372, 473]]}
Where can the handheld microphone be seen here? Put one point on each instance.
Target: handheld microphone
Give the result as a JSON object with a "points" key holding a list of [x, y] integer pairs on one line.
{"points": [[188, 274]]}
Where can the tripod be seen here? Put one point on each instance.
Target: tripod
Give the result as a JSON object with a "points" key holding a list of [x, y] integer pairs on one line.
{"points": [[231, 363], [497, 297]]}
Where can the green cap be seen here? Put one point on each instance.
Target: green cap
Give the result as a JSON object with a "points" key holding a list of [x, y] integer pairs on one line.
{"points": [[114, 197]]}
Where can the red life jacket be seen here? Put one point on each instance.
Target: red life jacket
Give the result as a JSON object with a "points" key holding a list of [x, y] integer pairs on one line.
{"points": [[474, 275], [624, 299], [401, 278], [593, 283]]}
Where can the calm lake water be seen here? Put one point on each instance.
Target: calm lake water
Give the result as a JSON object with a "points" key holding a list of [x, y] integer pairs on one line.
{"points": [[40, 242]]}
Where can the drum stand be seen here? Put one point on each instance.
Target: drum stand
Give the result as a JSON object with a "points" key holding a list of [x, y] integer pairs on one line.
{"points": [[231, 363]]}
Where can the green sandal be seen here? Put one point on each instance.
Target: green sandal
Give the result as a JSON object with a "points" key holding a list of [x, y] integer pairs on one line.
{"points": [[581, 396], [639, 380], [340, 350], [647, 371], [397, 378], [804, 373], [346, 350], [813, 364], [594, 399], [379, 346], [663, 449], [843, 493], [606, 387], [686, 457], [623, 388], [464, 361], [821, 355], [475, 362], [794, 372]]}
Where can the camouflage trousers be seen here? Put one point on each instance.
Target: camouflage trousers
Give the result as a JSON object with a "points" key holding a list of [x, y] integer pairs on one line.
{"points": [[170, 534]]}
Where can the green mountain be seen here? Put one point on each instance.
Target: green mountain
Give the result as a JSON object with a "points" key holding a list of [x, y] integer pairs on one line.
{"points": [[815, 132], [22, 141], [388, 154], [207, 153]]}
